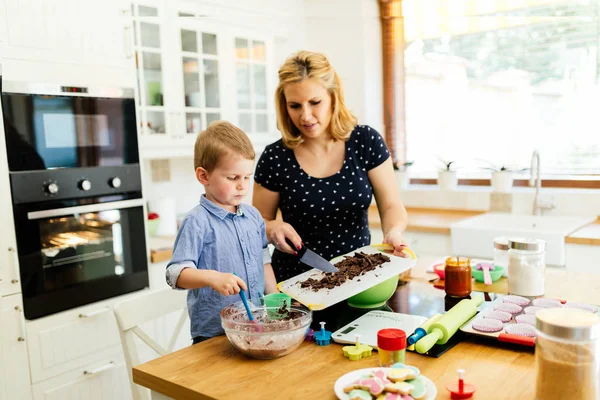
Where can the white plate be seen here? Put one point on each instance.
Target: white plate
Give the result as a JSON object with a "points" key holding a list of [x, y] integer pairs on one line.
{"points": [[350, 377]]}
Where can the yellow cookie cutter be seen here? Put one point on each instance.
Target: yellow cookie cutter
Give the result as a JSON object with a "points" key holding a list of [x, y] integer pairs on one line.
{"points": [[357, 351], [385, 246]]}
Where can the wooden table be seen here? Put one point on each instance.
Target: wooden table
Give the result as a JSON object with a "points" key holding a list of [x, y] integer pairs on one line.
{"points": [[214, 370]]}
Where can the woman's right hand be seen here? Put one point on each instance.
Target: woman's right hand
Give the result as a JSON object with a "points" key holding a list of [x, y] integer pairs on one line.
{"points": [[279, 231]]}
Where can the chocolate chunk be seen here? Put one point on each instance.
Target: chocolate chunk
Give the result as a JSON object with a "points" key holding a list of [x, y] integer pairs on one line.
{"points": [[348, 269]]}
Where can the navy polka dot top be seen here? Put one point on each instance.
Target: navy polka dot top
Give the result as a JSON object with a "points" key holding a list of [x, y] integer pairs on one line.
{"points": [[330, 214]]}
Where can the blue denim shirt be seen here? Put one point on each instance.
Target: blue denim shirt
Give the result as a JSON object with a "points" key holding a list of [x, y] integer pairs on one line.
{"points": [[212, 238]]}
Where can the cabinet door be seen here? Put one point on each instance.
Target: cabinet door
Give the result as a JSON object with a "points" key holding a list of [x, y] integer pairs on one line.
{"points": [[88, 33], [105, 378], [14, 365], [9, 262], [153, 26]]}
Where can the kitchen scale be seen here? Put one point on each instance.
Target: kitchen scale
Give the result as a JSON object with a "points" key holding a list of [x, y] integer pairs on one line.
{"points": [[369, 324]]}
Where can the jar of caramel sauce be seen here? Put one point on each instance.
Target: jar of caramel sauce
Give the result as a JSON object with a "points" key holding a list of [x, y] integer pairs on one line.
{"points": [[457, 280]]}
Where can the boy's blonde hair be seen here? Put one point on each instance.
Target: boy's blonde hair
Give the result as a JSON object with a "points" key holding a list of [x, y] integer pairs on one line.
{"points": [[219, 139], [310, 65]]}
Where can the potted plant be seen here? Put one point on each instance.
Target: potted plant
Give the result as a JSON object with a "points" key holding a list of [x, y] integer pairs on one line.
{"points": [[502, 177], [447, 179], [402, 173]]}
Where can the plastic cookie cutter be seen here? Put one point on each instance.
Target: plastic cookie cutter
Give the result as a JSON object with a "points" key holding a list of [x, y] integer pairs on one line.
{"points": [[357, 351], [385, 246], [460, 390], [310, 335], [322, 337]]}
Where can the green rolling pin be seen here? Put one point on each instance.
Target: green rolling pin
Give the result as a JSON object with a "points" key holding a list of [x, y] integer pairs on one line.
{"points": [[443, 329]]}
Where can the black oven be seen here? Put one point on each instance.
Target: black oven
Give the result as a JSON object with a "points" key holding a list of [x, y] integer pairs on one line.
{"points": [[77, 196]]}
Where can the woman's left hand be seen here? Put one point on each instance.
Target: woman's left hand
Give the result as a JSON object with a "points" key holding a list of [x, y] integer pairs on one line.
{"points": [[394, 238]]}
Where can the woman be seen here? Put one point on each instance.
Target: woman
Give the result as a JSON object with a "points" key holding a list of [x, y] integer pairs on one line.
{"points": [[323, 172]]}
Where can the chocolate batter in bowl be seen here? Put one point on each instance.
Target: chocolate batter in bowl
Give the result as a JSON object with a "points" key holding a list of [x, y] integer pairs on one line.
{"points": [[278, 337]]}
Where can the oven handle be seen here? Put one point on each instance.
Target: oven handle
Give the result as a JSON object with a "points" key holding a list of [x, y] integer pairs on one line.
{"points": [[58, 212]]}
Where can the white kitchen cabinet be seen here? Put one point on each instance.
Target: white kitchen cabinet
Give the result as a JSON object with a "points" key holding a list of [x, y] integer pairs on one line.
{"points": [[192, 71], [66, 31], [9, 262], [14, 366], [106, 378], [429, 243]]}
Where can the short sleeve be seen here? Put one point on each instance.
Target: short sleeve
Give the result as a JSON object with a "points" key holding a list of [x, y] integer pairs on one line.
{"points": [[268, 167], [375, 151]]}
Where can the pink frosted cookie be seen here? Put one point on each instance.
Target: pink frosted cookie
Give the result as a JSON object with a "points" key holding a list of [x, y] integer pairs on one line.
{"points": [[582, 306], [495, 314], [381, 375], [508, 307], [532, 310], [520, 330], [487, 325], [518, 300], [373, 385], [547, 303], [528, 319]]}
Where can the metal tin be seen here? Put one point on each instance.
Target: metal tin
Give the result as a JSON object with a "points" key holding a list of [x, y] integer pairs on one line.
{"points": [[501, 243], [568, 323], [527, 244]]}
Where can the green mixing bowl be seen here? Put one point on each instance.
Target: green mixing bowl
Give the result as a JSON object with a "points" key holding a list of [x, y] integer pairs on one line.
{"points": [[495, 274], [376, 296]]}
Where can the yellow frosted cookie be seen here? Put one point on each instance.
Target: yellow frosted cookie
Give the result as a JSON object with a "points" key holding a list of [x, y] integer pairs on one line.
{"points": [[399, 387], [401, 374]]}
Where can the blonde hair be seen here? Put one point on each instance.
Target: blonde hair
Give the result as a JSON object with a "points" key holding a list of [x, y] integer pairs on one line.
{"points": [[310, 65], [219, 139]]}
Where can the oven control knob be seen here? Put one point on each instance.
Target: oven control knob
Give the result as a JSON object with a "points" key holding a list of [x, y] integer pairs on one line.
{"points": [[52, 188], [84, 184], [115, 182]]}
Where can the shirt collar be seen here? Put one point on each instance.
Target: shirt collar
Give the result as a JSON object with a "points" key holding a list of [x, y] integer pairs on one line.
{"points": [[220, 211]]}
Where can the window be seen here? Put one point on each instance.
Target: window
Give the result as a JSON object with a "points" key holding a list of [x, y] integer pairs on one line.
{"points": [[251, 83], [487, 82]]}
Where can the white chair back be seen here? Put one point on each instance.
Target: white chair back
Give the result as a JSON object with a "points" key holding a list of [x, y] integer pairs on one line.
{"points": [[132, 313]]}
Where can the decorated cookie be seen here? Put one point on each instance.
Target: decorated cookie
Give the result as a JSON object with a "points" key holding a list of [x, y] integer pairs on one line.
{"points": [[495, 314], [399, 387], [528, 319], [391, 396], [487, 325], [508, 307], [373, 385], [547, 303], [400, 365], [381, 375], [419, 391], [518, 300], [401, 374], [352, 386], [359, 394]]}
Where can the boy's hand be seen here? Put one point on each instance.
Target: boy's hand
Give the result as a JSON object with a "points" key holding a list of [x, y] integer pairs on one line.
{"points": [[227, 284]]}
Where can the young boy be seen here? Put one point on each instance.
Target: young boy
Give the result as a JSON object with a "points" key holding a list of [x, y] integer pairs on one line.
{"points": [[221, 243]]}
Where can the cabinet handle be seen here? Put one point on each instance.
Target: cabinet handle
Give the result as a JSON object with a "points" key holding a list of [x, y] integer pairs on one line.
{"points": [[22, 321], [15, 262], [103, 368], [94, 313], [128, 41]]}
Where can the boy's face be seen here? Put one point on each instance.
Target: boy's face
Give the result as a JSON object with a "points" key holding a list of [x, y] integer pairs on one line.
{"points": [[228, 183]]}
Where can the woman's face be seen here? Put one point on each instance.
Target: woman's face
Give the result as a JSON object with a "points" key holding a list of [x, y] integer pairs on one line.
{"points": [[309, 107]]}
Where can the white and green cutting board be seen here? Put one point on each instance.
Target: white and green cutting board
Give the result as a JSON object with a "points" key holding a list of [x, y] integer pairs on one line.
{"points": [[327, 297]]}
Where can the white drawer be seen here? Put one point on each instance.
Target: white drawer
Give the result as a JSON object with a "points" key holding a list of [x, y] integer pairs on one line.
{"points": [[104, 378], [66, 341]]}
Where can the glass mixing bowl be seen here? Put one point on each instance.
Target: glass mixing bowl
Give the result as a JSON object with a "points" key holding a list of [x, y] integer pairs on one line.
{"points": [[267, 337]]}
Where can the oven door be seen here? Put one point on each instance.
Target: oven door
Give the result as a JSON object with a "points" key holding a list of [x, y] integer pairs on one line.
{"points": [[71, 256]]}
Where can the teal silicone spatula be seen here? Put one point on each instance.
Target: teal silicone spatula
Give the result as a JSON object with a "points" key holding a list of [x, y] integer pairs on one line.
{"points": [[245, 301]]}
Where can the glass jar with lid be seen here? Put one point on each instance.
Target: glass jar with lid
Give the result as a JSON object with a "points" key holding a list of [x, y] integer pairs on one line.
{"points": [[567, 353], [501, 253], [526, 266], [457, 276]]}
